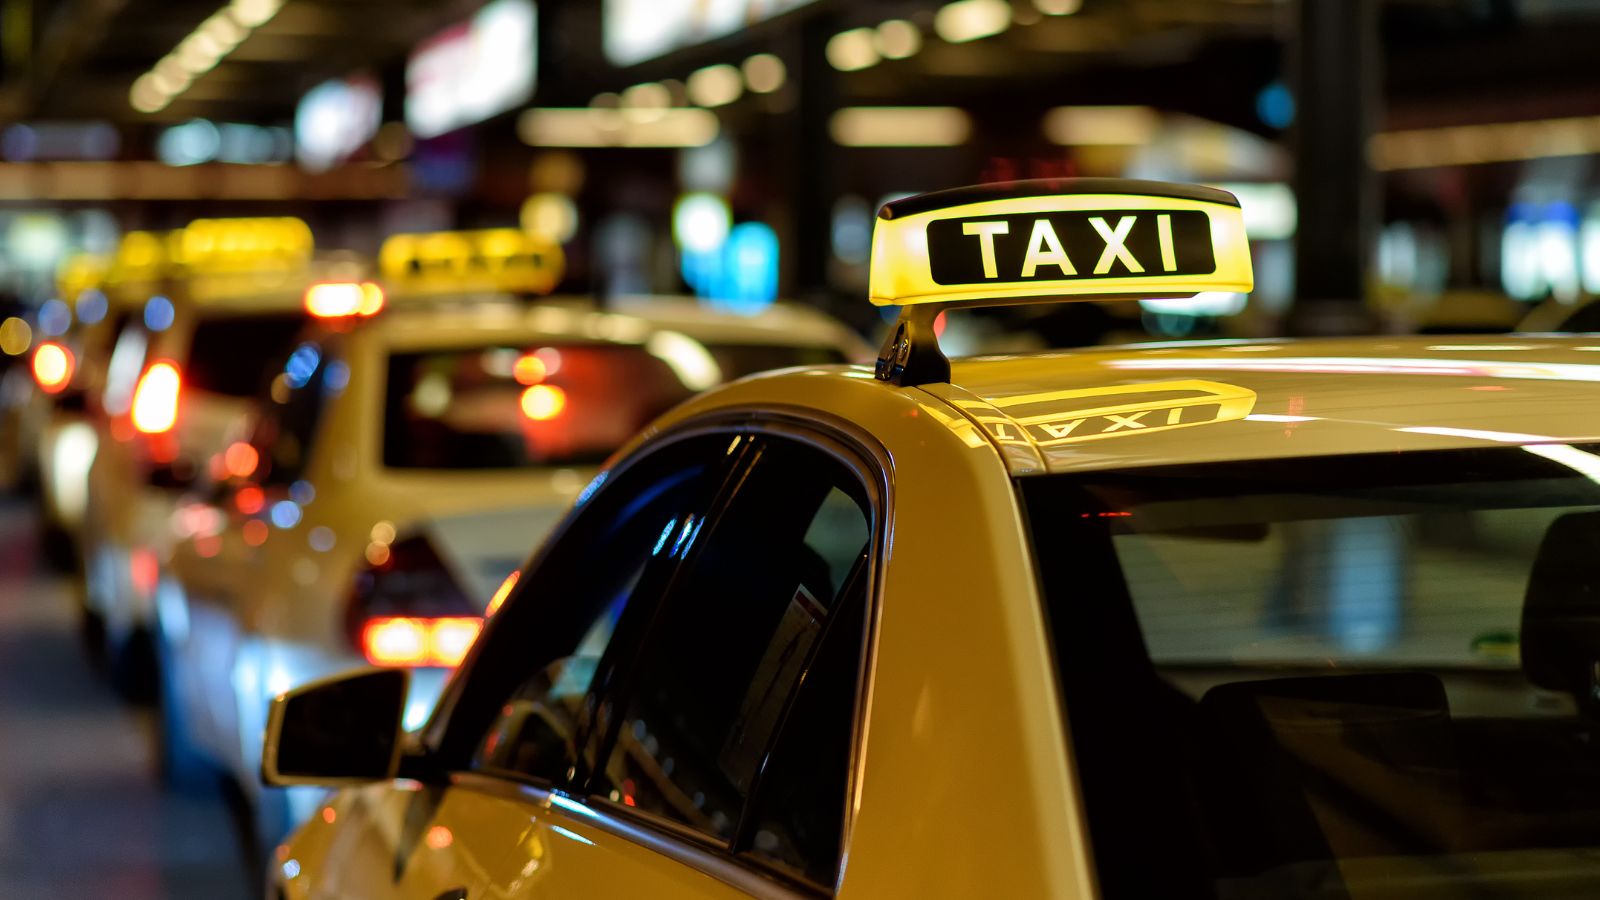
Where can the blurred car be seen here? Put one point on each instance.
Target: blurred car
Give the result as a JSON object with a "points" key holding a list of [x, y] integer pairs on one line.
{"points": [[215, 304], [69, 373], [391, 485], [1290, 618]]}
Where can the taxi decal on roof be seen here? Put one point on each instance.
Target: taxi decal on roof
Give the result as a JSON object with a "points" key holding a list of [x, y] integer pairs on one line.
{"points": [[1087, 414]]}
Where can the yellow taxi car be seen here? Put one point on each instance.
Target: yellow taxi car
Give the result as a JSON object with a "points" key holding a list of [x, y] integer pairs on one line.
{"points": [[213, 304], [404, 462], [1226, 619]]}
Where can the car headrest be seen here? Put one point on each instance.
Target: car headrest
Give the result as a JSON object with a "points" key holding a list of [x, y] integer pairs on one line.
{"points": [[1561, 610]]}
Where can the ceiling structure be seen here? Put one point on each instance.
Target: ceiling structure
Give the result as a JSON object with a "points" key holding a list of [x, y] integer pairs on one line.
{"points": [[1446, 55]]}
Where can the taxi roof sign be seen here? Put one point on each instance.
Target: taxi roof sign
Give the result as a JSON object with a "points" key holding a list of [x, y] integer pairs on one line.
{"points": [[1045, 240], [497, 259], [1058, 239]]}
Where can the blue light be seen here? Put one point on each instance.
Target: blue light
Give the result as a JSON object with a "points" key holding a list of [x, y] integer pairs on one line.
{"points": [[91, 306], [302, 492], [302, 364], [683, 537], [665, 533], [158, 313], [336, 378], [285, 514], [747, 279], [593, 485], [54, 318], [1275, 105], [321, 539]]}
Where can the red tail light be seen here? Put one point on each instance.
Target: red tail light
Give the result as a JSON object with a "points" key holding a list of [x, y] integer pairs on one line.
{"points": [[407, 609], [407, 641], [155, 400], [52, 367]]}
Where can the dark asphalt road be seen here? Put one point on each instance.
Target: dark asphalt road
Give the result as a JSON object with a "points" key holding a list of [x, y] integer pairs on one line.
{"points": [[81, 811]]}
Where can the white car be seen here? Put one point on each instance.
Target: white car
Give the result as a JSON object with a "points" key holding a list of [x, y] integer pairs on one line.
{"points": [[182, 373]]}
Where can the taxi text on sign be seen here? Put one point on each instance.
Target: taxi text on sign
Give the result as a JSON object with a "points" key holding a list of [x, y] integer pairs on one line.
{"points": [[1061, 245]]}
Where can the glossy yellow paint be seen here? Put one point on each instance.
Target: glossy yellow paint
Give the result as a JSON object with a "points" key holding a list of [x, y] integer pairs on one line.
{"points": [[965, 780]]}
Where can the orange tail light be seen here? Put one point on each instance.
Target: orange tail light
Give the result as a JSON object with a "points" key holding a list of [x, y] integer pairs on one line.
{"points": [[414, 641], [155, 400], [52, 367], [338, 300]]}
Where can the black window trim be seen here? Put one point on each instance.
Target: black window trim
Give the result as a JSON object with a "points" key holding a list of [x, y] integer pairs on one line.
{"points": [[858, 452]]}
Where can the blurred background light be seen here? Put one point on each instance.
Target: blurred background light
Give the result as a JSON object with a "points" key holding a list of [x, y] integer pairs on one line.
{"points": [[969, 20], [466, 74], [551, 216], [54, 318], [853, 50], [716, 85], [1101, 125], [15, 336], [898, 39], [1275, 105], [158, 313], [588, 127], [335, 119], [1058, 7], [763, 73], [900, 126], [701, 222]]}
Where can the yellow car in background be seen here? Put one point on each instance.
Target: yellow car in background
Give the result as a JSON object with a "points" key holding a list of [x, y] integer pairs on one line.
{"points": [[213, 305], [402, 465], [1227, 619]]}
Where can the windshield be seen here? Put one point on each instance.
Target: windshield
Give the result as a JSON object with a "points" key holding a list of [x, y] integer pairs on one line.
{"points": [[552, 404], [1358, 676]]}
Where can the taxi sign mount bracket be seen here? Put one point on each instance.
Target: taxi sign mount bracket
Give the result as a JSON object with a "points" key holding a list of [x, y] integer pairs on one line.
{"points": [[911, 356]]}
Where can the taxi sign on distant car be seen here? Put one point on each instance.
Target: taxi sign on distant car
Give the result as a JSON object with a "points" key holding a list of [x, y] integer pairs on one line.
{"points": [[493, 259], [1052, 239]]}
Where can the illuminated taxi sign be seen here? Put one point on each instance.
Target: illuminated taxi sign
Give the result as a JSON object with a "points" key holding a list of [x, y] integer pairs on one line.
{"points": [[1089, 238], [242, 244], [498, 259], [213, 247]]}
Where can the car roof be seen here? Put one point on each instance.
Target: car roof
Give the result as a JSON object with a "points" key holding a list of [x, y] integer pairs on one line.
{"points": [[1163, 404]]}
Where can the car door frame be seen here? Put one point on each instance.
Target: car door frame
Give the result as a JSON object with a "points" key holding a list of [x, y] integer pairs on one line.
{"points": [[860, 454]]}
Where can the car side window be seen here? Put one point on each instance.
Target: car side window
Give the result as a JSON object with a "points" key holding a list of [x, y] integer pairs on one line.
{"points": [[782, 566], [298, 396], [562, 618]]}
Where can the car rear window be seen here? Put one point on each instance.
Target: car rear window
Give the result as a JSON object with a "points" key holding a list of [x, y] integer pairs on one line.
{"points": [[552, 404], [230, 354], [1353, 676]]}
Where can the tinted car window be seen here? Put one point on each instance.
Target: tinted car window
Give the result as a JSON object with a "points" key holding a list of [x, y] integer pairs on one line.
{"points": [[230, 354], [733, 638], [297, 399], [1353, 676], [562, 618]]}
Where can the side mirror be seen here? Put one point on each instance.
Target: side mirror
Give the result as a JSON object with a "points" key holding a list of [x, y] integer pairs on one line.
{"points": [[344, 729]]}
